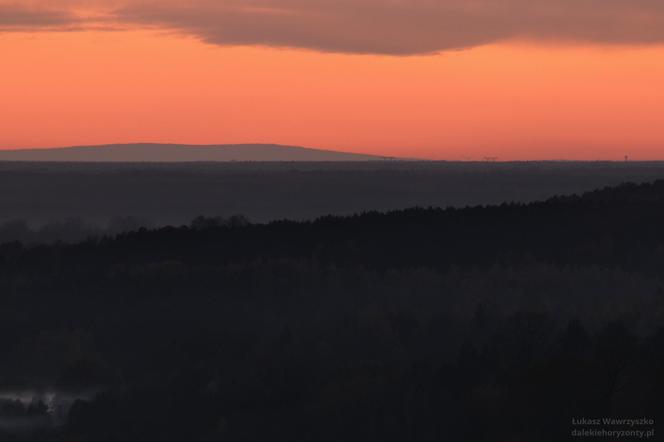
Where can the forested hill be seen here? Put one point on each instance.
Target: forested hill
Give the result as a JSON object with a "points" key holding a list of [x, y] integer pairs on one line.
{"points": [[619, 226], [423, 324]]}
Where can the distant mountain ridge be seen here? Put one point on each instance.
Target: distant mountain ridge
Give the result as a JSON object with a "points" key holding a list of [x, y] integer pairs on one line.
{"points": [[153, 152]]}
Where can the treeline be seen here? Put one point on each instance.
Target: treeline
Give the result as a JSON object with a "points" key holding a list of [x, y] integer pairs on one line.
{"points": [[76, 230], [485, 323], [69, 230]]}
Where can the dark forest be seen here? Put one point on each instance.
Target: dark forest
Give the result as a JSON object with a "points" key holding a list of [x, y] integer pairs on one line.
{"points": [[486, 323]]}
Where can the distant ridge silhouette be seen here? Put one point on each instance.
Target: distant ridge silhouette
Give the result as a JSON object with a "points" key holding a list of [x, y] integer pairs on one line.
{"points": [[152, 152]]}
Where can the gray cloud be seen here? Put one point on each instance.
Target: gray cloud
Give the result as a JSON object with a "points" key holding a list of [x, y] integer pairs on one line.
{"points": [[16, 17], [397, 27]]}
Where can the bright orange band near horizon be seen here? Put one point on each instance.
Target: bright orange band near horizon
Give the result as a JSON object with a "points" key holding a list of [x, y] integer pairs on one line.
{"points": [[511, 100]]}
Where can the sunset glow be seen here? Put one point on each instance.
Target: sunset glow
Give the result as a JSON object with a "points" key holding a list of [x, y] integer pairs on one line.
{"points": [[511, 100]]}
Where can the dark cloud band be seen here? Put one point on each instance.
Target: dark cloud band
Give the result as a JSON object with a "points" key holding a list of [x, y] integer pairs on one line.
{"points": [[397, 27], [18, 17]]}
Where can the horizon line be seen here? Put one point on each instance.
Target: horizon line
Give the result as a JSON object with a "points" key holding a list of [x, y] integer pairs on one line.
{"points": [[485, 159]]}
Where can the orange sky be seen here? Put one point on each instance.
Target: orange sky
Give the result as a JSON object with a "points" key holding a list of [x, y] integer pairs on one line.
{"points": [[512, 101]]}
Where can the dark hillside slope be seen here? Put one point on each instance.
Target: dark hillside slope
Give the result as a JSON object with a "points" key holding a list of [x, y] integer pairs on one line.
{"points": [[44, 194], [618, 226], [422, 324]]}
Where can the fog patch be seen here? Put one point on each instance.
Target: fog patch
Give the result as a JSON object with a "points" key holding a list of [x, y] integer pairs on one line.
{"points": [[27, 411]]}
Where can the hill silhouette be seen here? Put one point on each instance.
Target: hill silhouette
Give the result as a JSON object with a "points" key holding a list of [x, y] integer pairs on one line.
{"points": [[168, 153]]}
